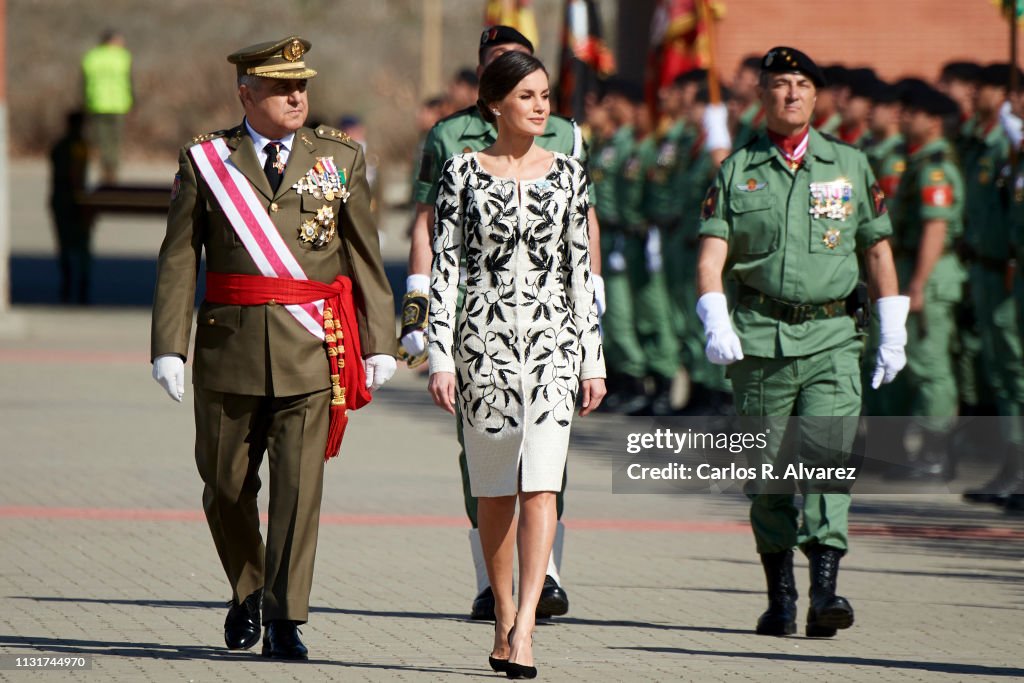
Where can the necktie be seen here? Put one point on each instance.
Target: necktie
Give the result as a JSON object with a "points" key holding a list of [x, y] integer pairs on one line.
{"points": [[273, 168]]}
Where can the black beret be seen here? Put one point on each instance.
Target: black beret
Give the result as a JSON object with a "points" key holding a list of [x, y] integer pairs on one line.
{"points": [[996, 74], [861, 82], [697, 76], [836, 74], [960, 71], [502, 35], [929, 100], [631, 90], [780, 60], [885, 93]]}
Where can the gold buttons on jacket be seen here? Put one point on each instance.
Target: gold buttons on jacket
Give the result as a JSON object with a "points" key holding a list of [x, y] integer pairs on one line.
{"points": [[211, 321], [274, 207]]}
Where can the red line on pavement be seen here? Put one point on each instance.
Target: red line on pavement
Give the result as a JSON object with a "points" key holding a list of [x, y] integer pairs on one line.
{"points": [[641, 525]]}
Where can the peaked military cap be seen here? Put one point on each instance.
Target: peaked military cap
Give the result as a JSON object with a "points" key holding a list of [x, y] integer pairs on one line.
{"points": [[782, 60], [502, 35], [274, 59]]}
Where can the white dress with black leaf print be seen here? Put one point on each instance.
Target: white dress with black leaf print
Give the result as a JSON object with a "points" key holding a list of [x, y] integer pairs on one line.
{"points": [[527, 332]]}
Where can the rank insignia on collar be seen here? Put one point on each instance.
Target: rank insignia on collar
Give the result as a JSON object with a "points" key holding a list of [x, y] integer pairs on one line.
{"points": [[751, 186], [831, 238]]}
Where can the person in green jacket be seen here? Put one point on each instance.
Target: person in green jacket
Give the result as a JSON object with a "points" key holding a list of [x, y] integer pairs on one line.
{"points": [[927, 221], [107, 96], [987, 234], [785, 217]]}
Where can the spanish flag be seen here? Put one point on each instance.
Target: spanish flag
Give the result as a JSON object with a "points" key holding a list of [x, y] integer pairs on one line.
{"points": [[515, 13], [585, 57]]}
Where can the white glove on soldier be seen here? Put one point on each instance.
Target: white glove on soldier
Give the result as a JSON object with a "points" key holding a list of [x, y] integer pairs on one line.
{"points": [[415, 342], [723, 345], [379, 369], [892, 322], [169, 372], [716, 127], [1012, 124], [598, 293]]}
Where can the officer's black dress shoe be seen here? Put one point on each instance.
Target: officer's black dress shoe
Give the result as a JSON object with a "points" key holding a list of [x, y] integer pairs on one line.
{"points": [[242, 625], [553, 600], [281, 641], [483, 606]]}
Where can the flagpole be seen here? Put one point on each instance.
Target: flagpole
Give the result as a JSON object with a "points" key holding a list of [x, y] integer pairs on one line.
{"points": [[714, 88]]}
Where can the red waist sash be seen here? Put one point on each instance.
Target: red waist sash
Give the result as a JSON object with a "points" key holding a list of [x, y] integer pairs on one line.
{"points": [[348, 378]]}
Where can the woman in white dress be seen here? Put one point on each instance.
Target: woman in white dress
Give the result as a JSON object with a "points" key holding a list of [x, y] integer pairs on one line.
{"points": [[526, 341]]}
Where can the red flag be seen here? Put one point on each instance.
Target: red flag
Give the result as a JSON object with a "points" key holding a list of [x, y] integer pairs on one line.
{"points": [[515, 13], [585, 56], [680, 40]]}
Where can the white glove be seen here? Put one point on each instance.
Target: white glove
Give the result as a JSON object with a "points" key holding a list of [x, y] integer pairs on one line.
{"points": [[1012, 124], [598, 293], [169, 372], [379, 369], [415, 343], [652, 250], [892, 323], [716, 127], [723, 347]]}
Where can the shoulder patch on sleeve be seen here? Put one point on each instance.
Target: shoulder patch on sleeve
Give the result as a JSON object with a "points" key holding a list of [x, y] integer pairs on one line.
{"points": [[878, 200], [710, 203], [176, 186], [426, 173], [937, 196]]}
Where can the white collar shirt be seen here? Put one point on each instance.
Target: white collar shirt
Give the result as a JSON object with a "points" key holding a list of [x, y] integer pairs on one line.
{"points": [[260, 142]]}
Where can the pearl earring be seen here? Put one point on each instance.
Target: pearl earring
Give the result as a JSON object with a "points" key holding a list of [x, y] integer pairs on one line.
{"points": [[496, 112]]}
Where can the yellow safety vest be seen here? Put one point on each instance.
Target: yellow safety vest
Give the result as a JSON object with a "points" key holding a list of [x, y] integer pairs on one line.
{"points": [[107, 72]]}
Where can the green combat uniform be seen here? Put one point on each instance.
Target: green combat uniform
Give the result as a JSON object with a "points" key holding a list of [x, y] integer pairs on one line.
{"points": [[931, 188], [466, 131], [793, 239], [681, 246], [987, 233], [622, 348], [749, 125]]}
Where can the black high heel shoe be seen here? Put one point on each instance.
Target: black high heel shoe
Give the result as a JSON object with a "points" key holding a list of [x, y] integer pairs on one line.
{"points": [[498, 665], [514, 670]]}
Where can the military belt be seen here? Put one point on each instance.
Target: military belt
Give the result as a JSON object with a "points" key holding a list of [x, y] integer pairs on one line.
{"points": [[787, 311]]}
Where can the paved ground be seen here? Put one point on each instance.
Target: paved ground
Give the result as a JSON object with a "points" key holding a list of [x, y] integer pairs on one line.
{"points": [[105, 552]]}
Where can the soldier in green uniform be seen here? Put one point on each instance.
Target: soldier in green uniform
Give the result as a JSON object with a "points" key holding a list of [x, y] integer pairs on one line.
{"points": [[985, 164], [786, 217], [641, 197], [263, 379], [744, 101], [927, 220], [831, 99], [1011, 120], [887, 154], [466, 131], [853, 117], [616, 170]]}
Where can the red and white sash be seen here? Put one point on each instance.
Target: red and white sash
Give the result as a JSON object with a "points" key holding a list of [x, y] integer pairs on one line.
{"points": [[252, 224]]}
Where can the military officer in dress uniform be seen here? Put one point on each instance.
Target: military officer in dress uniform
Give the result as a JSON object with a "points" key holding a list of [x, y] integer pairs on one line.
{"points": [[298, 316], [786, 217], [466, 131]]}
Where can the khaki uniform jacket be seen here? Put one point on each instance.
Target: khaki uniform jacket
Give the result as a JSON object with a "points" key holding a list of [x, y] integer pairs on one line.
{"points": [[262, 350]]}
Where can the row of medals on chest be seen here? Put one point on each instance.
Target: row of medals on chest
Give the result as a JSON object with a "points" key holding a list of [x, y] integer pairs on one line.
{"points": [[830, 200], [322, 181]]}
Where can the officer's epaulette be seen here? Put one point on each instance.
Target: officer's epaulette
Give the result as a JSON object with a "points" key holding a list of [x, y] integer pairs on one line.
{"points": [[328, 133], [210, 136]]}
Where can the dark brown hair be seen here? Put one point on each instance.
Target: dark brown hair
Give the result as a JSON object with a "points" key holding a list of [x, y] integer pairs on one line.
{"points": [[502, 76]]}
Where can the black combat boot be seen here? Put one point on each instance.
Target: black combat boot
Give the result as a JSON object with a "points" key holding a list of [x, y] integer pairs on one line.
{"points": [[828, 611], [780, 617], [1005, 483]]}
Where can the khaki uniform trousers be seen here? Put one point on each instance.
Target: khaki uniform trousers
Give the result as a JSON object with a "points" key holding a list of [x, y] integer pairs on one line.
{"points": [[233, 432]]}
